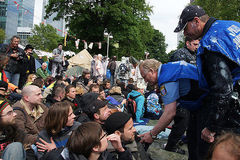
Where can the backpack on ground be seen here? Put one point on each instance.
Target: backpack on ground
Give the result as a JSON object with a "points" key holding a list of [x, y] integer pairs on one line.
{"points": [[122, 69], [131, 105]]}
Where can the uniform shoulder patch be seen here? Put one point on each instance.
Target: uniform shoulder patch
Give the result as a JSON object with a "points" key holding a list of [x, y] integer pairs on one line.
{"points": [[163, 90]]}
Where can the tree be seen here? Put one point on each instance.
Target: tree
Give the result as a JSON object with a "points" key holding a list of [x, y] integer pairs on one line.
{"points": [[157, 47], [127, 20], [221, 9], [44, 37], [2, 35]]}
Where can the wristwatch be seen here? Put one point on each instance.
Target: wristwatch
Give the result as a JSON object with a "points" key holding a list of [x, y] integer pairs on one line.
{"points": [[153, 137]]}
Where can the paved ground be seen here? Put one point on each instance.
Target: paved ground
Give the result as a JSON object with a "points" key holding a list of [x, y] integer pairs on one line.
{"points": [[157, 153], [156, 149]]}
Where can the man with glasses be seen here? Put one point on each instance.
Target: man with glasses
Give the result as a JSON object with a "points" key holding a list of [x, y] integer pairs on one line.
{"points": [[218, 67], [10, 137]]}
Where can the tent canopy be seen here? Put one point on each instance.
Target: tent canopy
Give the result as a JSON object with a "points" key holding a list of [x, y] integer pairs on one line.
{"points": [[82, 59]]}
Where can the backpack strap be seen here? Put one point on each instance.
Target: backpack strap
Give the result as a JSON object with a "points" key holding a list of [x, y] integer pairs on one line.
{"points": [[134, 97]]}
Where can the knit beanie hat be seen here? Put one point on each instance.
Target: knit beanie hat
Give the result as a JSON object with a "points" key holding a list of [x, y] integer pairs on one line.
{"points": [[116, 121], [3, 105]]}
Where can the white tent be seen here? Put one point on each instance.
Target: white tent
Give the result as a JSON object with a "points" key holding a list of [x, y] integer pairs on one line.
{"points": [[82, 59]]}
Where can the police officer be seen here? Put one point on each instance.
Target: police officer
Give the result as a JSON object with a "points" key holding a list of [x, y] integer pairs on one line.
{"points": [[218, 66], [178, 83], [188, 54]]}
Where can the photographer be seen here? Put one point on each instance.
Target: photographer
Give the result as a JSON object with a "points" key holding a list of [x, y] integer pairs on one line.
{"points": [[17, 58], [28, 67]]}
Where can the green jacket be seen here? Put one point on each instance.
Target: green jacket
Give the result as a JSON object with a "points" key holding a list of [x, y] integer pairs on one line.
{"points": [[42, 73]]}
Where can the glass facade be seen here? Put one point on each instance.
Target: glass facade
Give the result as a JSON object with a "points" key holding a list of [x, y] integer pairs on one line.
{"points": [[3, 14], [20, 13]]}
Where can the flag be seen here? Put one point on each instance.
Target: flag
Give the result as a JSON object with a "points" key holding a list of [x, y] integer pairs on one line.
{"points": [[77, 43], [90, 45]]}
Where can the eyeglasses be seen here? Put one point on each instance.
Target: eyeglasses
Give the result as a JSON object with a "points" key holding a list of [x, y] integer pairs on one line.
{"points": [[9, 113], [105, 134]]}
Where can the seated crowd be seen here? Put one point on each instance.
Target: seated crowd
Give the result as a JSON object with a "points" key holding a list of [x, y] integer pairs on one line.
{"points": [[75, 118], [60, 118]]}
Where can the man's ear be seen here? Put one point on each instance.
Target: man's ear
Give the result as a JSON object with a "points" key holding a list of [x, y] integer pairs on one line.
{"points": [[96, 148], [96, 116], [117, 132], [26, 98]]}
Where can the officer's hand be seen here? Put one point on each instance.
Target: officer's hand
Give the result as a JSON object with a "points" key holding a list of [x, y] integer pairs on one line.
{"points": [[146, 137], [207, 135]]}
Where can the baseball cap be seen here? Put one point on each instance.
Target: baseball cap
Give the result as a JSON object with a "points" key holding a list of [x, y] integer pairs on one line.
{"points": [[94, 107], [188, 14]]}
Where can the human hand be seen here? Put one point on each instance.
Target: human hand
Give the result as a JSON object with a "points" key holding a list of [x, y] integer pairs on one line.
{"points": [[44, 146], [14, 55], [146, 138], [90, 82], [116, 142], [18, 91], [207, 135]]}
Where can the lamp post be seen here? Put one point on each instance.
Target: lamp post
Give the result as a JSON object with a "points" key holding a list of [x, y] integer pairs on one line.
{"points": [[108, 35]]}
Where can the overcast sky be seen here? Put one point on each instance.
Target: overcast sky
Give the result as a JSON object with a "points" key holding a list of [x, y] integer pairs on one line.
{"points": [[165, 18]]}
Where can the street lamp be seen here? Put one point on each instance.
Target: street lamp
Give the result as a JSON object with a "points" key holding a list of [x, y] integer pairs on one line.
{"points": [[108, 35]]}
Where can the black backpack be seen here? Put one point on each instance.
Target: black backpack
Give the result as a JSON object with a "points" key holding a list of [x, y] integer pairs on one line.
{"points": [[131, 106], [122, 69]]}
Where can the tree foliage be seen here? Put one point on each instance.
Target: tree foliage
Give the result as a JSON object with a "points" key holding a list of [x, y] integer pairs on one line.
{"points": [[157, 47], [221, 9], [127, 20], [44, 37], [2, 35]]}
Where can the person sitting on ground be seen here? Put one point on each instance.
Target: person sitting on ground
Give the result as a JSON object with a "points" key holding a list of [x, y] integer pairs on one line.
{"points": [[58, 94], [82, 145], [72, 97], [97, 111], [39, 81], [85, 101], [106, 86], [116, 99], [84, 80], [130, 85], [137, 92], [123, 87], [121, 124], [42, 71], [31, 112], [11, 140], [30, 79], [94, 88], [102, 93], [57, 80], [226, 147], [59, 124]]}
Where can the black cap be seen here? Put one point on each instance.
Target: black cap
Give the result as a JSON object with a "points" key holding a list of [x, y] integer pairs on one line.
{"points": [[116, 121], [93, 107], [188, 14], [87, 99], [29, 46]]}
